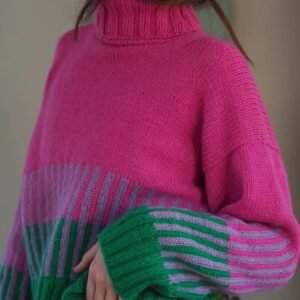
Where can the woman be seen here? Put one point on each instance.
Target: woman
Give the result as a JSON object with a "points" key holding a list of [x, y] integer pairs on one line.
{"points": [[153, 170]]}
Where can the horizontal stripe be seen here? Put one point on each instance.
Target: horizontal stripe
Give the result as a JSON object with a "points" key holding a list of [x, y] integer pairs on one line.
{"points": [[203, 271], [286, 261], [236, 275], [246, 252], [196, 260], [188, 230], [261, 272], [271, 240], [174, 242], [263, 259], [240, 272], [175, 278], [255, 235], [202, 220], [260, 248], [182, 279], [207, 231], [182, 210]]}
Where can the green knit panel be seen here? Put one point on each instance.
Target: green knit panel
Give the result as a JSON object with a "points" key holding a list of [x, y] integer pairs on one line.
{"points": [[131, 253]]}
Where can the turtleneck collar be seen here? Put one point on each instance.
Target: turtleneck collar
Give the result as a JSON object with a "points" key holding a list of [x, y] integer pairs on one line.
{"points": [[143, 21]]}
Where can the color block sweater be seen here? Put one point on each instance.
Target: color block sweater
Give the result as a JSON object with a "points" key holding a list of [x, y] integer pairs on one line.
{"points": [[153, 140]]}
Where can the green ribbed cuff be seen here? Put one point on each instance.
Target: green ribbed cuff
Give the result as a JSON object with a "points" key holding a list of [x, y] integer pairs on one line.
{"points": [[131, 253]]}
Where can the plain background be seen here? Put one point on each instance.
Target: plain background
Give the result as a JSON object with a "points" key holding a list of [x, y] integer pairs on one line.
{"points": [[268, 30]]}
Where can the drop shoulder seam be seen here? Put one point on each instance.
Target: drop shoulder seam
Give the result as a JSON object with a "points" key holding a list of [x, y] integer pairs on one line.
{"points": [[217, 162]]}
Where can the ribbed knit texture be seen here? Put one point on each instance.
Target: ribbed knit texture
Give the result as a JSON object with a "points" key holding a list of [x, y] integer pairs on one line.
{"points": [[153, 140]]}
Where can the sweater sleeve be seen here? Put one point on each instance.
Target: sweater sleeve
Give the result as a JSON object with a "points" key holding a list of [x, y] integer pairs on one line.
{"points": [[248, 238], [14, 272]]}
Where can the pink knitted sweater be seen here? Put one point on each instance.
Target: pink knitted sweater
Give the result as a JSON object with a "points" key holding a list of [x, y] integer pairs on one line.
{"points": [[153, 140]]}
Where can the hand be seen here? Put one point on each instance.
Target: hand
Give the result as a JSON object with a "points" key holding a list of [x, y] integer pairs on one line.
{"points": [[99, 286]]}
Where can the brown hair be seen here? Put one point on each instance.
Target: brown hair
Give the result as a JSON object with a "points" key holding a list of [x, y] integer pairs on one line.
{"points": [[90, 5]]}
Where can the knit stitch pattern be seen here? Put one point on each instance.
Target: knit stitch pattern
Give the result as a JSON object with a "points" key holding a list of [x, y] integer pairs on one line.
{"points": [[153, 140]]}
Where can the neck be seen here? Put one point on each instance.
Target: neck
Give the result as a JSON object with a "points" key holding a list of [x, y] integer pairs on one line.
{"points": [[143, 21]]}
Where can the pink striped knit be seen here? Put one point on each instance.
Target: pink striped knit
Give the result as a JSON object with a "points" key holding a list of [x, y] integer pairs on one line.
{"points": [[153, 140]]}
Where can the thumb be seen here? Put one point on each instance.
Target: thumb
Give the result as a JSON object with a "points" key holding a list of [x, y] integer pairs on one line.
{"points": [[86, 258]]}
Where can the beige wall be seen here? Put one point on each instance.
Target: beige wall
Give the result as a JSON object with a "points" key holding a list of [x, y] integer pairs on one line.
{"points": [[28, 33], [268, 31]]}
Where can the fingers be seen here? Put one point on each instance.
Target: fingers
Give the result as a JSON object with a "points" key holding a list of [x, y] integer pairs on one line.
{"points": [[86, 258], [100, 292], [90, 289], [101, 284], [110, 295]]}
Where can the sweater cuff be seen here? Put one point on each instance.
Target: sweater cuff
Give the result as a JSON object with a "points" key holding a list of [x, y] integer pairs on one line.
{"points": [[131, 253]]}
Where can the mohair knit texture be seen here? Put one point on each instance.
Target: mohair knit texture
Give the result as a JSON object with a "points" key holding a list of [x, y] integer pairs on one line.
{"points": [[153, 140]]}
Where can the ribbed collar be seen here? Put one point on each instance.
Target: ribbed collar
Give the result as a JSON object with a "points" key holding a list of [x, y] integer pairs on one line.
{"points": [[143, 21]]}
